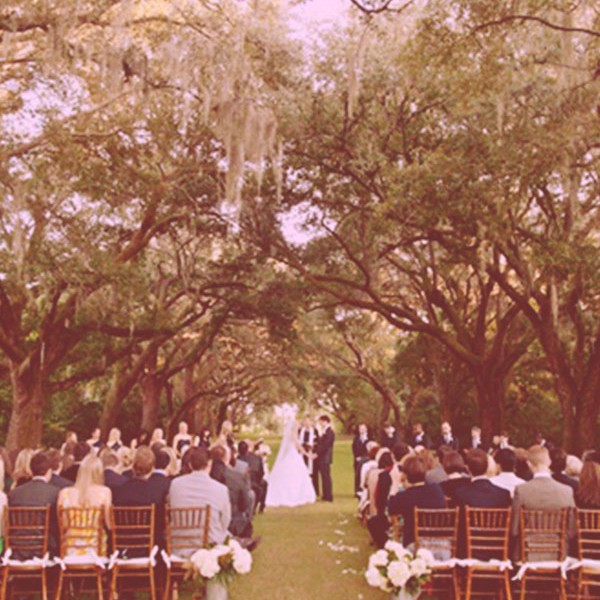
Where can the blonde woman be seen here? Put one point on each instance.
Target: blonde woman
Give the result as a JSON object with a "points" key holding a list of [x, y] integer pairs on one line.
{"points": [[22, 470], [158, 437], [114, 439], [182, 440], [125, 456], [173, 468], [89, 491]]}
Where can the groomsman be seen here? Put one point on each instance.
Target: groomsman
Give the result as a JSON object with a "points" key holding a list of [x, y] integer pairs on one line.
{"points": [[419, 437], [359, 451], [447, 437], [390, 437], [309, 438], [476, 441], [325, 455]]}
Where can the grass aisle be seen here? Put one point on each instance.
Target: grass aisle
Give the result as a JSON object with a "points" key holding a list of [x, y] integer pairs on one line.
{"points": [[305, 552]]}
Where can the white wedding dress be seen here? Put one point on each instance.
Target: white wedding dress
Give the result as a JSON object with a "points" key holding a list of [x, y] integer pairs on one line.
{"points": [[289, 481]]}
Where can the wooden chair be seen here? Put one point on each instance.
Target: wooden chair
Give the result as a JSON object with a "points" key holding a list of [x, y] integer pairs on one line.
{"points": [[26, 532], [396, 527], [543, 538], [186, 529], [487, 536], [437, 530], [133, 538], [588, 546], [82, 546]]}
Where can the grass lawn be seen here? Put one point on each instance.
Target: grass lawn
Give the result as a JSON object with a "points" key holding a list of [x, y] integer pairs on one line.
{"points": [[295, 560]]}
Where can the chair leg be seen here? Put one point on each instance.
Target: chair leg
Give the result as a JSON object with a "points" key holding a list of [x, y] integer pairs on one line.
{"points": [[563, 592], [167, 585], [5, 582], [523, 585], [113, 584], [99, 584], [455, 584], [468, 584], [508, 591], [152, 584], [59, 585], [44, 585]]}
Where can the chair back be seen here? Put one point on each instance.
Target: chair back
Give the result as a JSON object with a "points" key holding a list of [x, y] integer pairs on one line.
{"points": [[543, 534], [133, 530], [588, 534], [437, 530], [26, 531], [487, 532], [81, 530], [187, 529]]}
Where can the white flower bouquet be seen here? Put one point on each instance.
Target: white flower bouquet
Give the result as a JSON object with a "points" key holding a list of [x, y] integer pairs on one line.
{"points": [[220, 563], [395, 569]]}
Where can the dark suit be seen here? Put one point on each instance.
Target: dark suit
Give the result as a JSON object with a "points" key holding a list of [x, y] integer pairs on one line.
{"points": [[452, 443], [38, 492], [325, 454], [71, 472], [420, 496], [240, 499], [257, 477], [113, 480], [359, 451], [482, 493], [566, 480], [424, 441], [161, 482], [389, 441], [60, 482]]}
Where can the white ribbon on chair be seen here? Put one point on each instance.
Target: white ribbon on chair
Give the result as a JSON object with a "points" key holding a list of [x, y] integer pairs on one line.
{"points": [[500, 565], [170, 559], [89, 558], [36, 561], [550, 565], [141, 561], [586, 563]]}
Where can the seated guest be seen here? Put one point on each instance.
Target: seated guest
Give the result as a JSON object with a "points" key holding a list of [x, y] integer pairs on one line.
{"points": [[126, 460], [447, 438], [172, 469], [80, 451], [112, 478], [378, 524], [417, 494], [371, 463], [241, 501], [542, 492], [522, 469], [480, 492], [38, 492], [456, 470], [574, 466], [437, 474], [399, 452], [558, 458], [506, 479], [22, 471], [89, 490], [159, 477], [390, 437], [198, 489], [257, 473], [587, 495], [55, 458]]}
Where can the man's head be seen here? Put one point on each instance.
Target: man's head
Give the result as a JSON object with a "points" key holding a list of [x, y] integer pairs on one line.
{"points": [[417, 428], [414, 468], [80, 451], [218, 454], [538, 459], [40, 466], [558, 460], [324, 420], [389, 429], [362, 429], [199, 459], [441, 452], [162, 460], [538, 438], [243, 448], [507, 460], [445, 428], [477, 461], [109, 459], [453, 462], [308, 422], [143, 462], [476, 433], [400, 451]]}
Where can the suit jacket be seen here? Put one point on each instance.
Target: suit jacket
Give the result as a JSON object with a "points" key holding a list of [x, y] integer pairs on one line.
{"points": [[566, 480], [325, 446], [359, 448], [404, 503], [38, 492], [256, 467], [390, 441], [542, 493], [436, 475], [453, 443], [482, 493], [199, 489], [71, 472], [113, 480], [425, 441], [60, 482]]}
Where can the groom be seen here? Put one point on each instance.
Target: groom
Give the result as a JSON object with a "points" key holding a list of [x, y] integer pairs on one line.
{"points": [[325, 455]]}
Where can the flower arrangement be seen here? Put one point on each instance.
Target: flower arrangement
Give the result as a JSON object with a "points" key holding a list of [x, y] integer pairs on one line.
{"points": [[220, 563], [396, 569]]}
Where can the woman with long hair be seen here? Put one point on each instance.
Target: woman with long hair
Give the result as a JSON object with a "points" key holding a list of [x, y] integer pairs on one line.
{"points": [[588, 493], [158, 438], [22, 470], [89, 491]]}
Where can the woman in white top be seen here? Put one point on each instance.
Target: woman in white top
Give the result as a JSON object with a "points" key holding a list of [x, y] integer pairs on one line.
{"points": [[158, 437]]}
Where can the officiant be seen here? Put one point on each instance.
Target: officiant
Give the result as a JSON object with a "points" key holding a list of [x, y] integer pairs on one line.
{"points": [[308, 438]]}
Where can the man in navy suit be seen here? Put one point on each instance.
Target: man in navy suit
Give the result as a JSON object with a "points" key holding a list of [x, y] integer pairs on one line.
{"points": [[112, 478], [55, 458], [159, 477], [480, 492], [325, 456]]}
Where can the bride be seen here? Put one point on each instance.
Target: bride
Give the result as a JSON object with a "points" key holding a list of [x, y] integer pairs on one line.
{"points": [[289, 481]]}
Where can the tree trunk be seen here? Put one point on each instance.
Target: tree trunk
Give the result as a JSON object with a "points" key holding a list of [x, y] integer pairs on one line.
{"points": [[490, 400], [26, 419], [151, 386]]}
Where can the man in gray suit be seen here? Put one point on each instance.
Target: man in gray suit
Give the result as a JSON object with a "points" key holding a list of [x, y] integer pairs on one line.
{"points": [[542, 492], [198, 490], [38, 492]]}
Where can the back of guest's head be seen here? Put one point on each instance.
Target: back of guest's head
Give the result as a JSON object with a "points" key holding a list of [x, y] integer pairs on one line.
{"points": [[441, 452], [507, 459], [109, 459], [143, 462], [125, 455], [55, 458], [40, 464], [477, 461], [400, 451], [81, 450], [198, 458], [218, 453], [173, 467], [453, 462], [558, 460], [23, 463], [386, 460], [538, 457], [373, 450], [243, 448], [157, 447], [414, 469], [162, 460], [428, 458], [589, 483], [90, 473], [574, 466], [69, 448]]}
